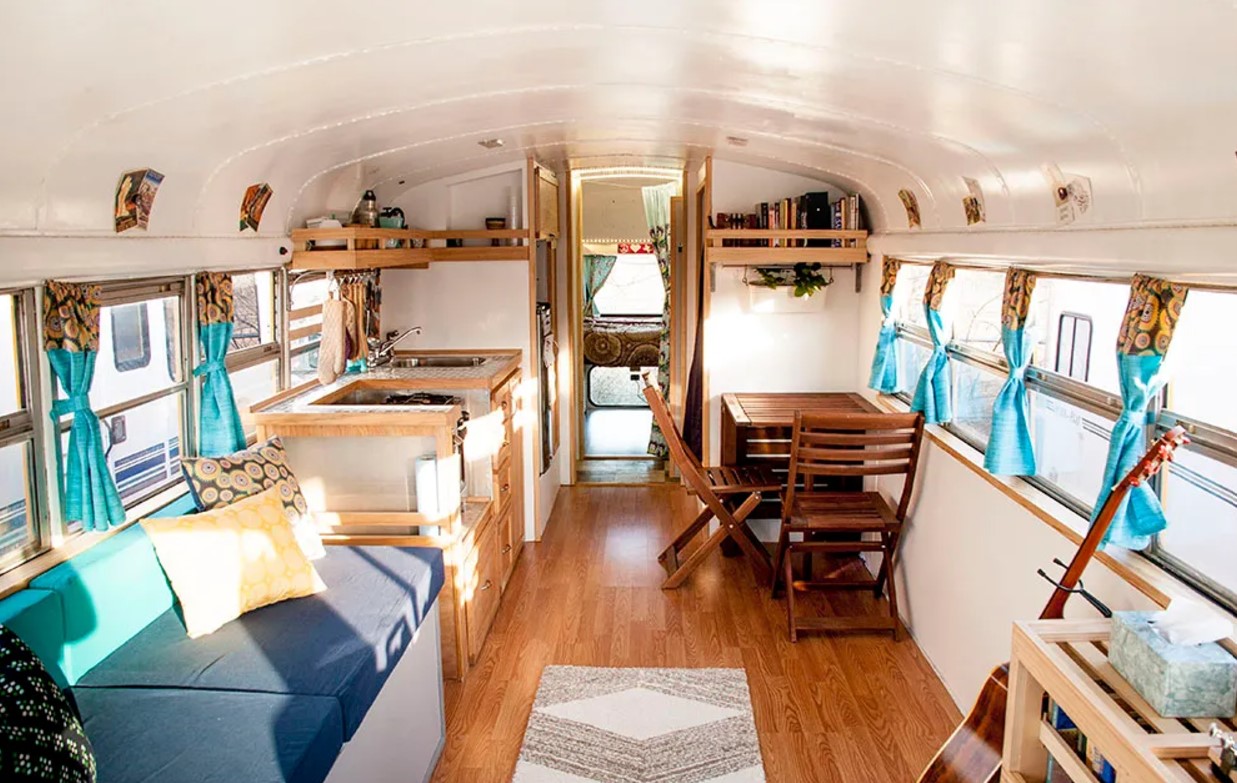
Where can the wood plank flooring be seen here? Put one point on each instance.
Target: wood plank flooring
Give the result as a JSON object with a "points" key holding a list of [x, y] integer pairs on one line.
{"points": [[829, 709]]}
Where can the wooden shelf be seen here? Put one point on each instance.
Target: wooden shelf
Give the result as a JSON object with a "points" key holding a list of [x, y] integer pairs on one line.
{"points": [[366, 248], [1067, 660], [854, 250]]}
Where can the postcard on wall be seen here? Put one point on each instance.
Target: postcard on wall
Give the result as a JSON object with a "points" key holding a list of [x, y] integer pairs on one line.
{"points": [[254, 203], [973, 203], [1071, 193], [135, 197], [911, 204]]}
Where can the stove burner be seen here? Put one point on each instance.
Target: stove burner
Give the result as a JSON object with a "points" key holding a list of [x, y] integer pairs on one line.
{"points": [[422, 398]]}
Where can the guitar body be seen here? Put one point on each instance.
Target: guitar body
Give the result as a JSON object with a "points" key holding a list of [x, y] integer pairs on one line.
{"points": [[973, 753]]}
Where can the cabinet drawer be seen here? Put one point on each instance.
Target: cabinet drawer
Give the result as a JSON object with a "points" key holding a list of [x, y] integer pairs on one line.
{"points": [[482, 565], [507, 549], [503, 453], [502, 486]]}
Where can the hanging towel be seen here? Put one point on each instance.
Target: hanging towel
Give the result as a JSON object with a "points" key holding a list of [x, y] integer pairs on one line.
{"points": [[331, 351]]}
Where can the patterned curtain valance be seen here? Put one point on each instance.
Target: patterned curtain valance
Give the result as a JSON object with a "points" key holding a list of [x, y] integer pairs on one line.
{"points": [[215, 303], [1151, 316], [938, 281], [70, 317], [889, 275], [1016, 303]]}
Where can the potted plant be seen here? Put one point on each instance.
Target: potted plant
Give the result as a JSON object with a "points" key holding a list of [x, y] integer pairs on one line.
{"points": [[787, 289]]}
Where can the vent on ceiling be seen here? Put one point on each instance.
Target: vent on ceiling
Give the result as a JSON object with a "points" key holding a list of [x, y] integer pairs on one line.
{"points": [[491, 144], [736, 141]]}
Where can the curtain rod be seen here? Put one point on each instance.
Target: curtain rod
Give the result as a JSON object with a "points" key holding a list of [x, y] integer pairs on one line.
{"points": [[1196, 286]]}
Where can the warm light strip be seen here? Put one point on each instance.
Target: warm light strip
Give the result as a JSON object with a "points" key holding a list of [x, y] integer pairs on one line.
{"points": [[627, 172]]}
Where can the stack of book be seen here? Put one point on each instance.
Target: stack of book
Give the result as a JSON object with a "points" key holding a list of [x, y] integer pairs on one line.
{"points": [[1078, 742], [799, 212]]}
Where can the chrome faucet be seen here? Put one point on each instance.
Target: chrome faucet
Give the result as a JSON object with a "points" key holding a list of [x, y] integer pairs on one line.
{"points": [[381, 353]]}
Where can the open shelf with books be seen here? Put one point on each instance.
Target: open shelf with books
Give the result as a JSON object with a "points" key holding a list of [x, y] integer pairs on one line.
{"points": [[804, 229], [1072, 717], [361, 247]]}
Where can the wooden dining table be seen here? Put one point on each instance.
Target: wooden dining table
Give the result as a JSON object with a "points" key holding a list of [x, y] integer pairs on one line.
{"points": [[757, 428]]}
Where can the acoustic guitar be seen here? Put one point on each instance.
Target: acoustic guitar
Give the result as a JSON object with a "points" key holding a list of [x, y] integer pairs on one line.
{"points": [[972, 754]]}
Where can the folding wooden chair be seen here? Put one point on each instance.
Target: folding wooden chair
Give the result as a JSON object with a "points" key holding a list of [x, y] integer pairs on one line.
{"points": [[729, 494], [846, 444]]}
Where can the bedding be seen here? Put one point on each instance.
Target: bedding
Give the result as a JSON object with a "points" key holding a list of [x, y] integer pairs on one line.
{"points": [[622, 342]]}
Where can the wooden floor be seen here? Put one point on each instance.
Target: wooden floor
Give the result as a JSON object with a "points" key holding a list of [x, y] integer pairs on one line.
{"points": [[840, 708]]}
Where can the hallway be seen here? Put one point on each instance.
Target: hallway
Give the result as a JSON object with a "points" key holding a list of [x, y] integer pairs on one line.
{"points": [[858, 709]]}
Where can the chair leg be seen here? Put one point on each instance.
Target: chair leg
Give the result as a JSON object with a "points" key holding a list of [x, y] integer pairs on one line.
{"points": [[790, 595], [782, 539], [887, 567]]}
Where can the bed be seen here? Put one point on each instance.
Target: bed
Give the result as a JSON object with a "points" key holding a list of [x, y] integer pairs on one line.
{"points": [[622, 342]]}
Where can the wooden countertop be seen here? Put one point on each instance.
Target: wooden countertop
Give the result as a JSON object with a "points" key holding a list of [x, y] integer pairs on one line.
{"points": [[766, 409]]}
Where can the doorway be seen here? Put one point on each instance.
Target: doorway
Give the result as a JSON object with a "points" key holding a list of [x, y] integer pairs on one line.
{"points": [[624, 318]]}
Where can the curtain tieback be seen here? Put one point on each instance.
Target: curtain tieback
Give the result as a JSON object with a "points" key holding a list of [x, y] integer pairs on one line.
{"points": [[1018, 374], [213, 365], [74, 403]]}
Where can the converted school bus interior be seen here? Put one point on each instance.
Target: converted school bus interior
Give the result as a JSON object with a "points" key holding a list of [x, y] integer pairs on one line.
{"points": [[578, 391]]}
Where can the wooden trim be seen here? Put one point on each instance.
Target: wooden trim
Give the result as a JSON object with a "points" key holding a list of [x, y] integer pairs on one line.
{"points": [[301, 313], [761, 256], [534, 431], [783, 233], [295, 391], [302, 332], [705, 194]]}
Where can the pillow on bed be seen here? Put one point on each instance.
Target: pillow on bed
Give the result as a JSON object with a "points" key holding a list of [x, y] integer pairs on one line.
{"points": [[220, 481], [227, 561], [41, 736]]}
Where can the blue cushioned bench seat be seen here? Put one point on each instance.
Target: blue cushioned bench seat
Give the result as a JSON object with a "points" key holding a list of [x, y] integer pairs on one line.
{"points": [[341, 643], [155, 735]]}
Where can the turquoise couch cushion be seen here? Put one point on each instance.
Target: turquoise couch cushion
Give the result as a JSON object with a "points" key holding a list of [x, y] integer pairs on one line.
{"points": [[36, 617], [107, 594]]}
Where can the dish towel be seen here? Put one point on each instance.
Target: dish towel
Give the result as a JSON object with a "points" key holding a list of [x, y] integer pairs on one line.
{"points": [[331, 351]]}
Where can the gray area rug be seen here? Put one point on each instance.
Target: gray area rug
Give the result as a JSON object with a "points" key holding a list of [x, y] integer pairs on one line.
{"points": [[599, 725]]}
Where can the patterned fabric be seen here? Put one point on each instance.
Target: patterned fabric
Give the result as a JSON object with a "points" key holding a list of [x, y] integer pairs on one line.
{"points": [[657, 215], [215, 303], [1152, 313], [41, 736], [597, 270], [889, 275], [70, 317], [884, 376], [933, 390], [220, 481], [228, 561], [71, 339], [639, 248], [1016, 303], [1151, 316], [938, 281], [220, 430], [1010, 449]]}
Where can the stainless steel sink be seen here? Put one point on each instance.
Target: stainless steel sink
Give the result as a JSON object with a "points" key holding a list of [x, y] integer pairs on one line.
{"points": [[362, 397], [437, 361]]}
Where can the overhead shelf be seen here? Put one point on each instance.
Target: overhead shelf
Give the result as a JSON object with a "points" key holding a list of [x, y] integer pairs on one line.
{"points": [[361, 247], [789, 250]]}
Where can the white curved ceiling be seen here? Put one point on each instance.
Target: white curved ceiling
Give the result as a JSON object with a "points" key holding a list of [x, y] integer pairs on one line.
{"points": [[1139, 96]]}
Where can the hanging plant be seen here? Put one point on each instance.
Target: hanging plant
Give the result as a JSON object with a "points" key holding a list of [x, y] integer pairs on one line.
{"points": [[805, 278]]}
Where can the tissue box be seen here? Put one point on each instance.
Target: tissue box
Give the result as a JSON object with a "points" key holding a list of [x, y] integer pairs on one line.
{"points": [[1178, 681]]}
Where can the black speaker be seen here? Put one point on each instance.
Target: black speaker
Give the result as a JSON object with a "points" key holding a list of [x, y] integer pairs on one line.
{"points": [[818, 214]]}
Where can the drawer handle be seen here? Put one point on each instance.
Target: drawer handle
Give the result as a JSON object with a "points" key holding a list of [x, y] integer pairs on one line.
{"points": [[488, 584], [506, 488], [506, 549]]}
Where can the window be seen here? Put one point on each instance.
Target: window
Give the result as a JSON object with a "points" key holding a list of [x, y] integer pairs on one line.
{"points": [[23, 522], [130, 337], [1073, 357], [306, 295], [634, 287], [1075, 400], [255, 355], [140, 391]]}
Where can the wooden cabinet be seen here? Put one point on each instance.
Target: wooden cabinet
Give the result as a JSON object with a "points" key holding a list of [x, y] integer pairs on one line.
{"points": [[482, 587], [508, 483]]}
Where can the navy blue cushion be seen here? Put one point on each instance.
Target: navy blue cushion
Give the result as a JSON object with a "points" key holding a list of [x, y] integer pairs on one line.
{"points": [[155, 735], [342, 642]]}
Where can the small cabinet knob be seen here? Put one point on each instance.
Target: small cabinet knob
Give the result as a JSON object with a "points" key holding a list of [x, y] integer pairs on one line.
{"points": [[488, 584], [506, 549]]}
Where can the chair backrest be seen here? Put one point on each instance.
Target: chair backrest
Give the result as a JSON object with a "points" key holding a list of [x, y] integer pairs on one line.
{"points": [[855, 444], [684, 458]]}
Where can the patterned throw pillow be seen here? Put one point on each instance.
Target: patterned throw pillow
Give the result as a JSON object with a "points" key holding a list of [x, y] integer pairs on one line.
{"points": [[221, 481], [230, 560], [41, 738]]}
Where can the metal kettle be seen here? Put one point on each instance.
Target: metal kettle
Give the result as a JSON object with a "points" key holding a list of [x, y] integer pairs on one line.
{"points": [[366, 212]]}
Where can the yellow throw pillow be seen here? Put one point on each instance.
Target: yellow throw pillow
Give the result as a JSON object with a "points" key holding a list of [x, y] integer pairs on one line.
{"points": [[230, 560]]}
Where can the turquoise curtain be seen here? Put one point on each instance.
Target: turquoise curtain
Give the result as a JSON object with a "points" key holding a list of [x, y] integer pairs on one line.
{"points": [[884, 377], [932, 392], [220, 431], [71, 339], [657, 216], [1150, 318], [1011, 451], [597, 270]]}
